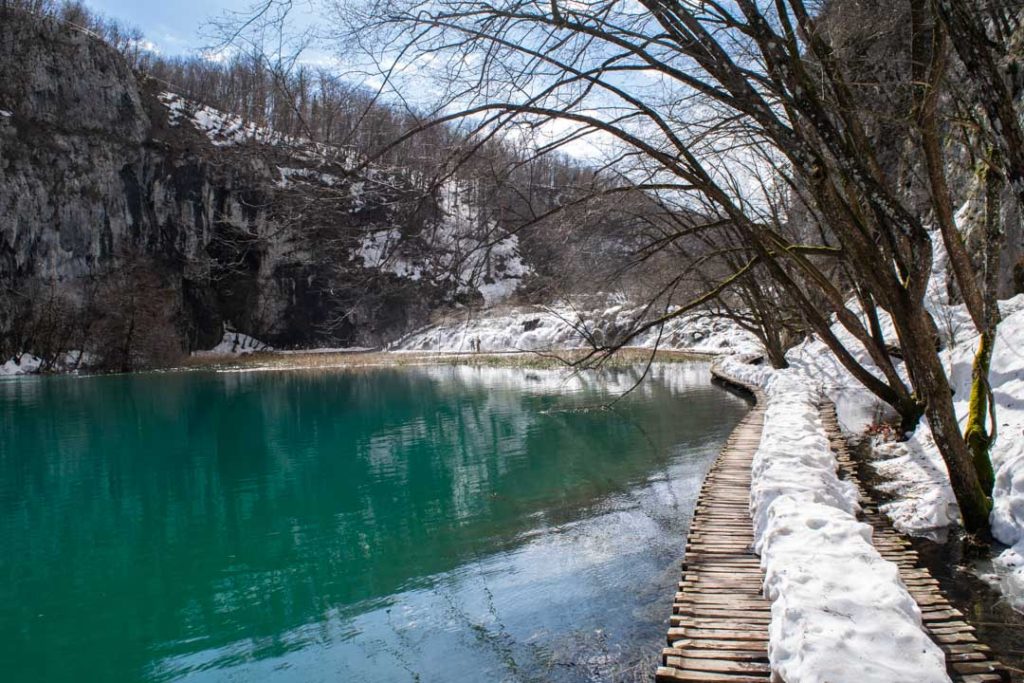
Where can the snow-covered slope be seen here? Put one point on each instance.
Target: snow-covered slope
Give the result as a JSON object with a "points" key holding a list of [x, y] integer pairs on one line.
{"points": [[914, 472], [565, 326], [225, 130]]}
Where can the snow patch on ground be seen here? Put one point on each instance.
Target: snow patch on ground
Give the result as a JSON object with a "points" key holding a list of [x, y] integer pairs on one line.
{"points": [[26, 364], [234, 344], [839, 610], [67, 361]]}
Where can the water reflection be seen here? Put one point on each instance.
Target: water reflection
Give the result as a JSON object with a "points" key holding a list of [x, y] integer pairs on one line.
{"points": [[304, 524]]}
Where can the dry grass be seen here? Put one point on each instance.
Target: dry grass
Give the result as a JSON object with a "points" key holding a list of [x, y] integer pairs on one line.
{"points": [[322, 361]]}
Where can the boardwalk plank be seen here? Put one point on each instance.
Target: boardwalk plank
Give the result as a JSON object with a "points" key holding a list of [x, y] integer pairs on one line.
{"points": [[719, 624], [967, 660]]}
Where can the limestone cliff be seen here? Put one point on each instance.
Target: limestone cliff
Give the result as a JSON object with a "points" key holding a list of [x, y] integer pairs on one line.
{"points": [[100, 167]]}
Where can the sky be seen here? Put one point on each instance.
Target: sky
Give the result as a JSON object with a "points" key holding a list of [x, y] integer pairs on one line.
{"points": [[181, 27], [176, 27]]}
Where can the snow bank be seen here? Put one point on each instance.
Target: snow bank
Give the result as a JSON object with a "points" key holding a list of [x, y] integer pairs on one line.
{"points": [[564, 326], [67, 361], [1007, 453], [923, 503], [794, 458], [839, 610], [916, 476], [234, 344], [26, 364]]}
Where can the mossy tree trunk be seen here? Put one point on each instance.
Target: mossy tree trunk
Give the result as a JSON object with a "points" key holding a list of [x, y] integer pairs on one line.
{"points": [[981, 407]]}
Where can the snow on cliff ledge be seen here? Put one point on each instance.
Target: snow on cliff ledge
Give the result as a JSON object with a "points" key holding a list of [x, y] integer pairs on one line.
{"points": [[465, 250]]}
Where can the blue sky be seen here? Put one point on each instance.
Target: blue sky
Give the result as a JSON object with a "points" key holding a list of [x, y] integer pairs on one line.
{"points": [[175, 26]]}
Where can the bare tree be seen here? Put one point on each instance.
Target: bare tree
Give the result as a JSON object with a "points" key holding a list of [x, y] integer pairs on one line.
{"points": [[136, 312], [682, 91]]}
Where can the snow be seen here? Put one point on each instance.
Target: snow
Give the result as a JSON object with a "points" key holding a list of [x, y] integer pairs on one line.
{"points": [[465, 248], [6, 114], [840, 612], [378, 250], [1007, 378], [567, 325], [289, 174], [794, 458], [234, 344], [25, 364], [68, 361], [923, 503], [224, 130]]}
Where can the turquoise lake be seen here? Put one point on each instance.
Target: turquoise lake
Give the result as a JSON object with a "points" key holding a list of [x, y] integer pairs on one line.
{"points": [[429, 523]]}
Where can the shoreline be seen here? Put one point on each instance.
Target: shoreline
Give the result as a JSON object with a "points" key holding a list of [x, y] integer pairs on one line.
{"points": [[315, 359]]}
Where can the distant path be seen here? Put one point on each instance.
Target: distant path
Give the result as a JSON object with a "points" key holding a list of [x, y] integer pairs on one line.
{"points": [[719, 626], [719, 623]]}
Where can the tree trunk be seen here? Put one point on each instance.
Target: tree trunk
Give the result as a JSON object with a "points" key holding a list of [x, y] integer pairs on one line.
{"points": [[975, 432], [933, 387], [979, 440], [776, 351]]}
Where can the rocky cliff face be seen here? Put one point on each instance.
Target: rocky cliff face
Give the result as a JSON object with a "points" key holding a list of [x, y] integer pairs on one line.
{"points": [[100, 168]]}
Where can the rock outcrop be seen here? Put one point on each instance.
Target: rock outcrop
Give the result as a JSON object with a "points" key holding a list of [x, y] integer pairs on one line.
{"points": [[101, 166]]}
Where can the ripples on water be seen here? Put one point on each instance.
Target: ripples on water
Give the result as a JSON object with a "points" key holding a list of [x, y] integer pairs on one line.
{"points": [[437, 523]]}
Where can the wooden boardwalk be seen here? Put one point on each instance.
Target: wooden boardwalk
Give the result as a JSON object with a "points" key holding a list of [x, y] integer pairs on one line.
{"points": [[719, 624], [967, 659], [719, 627]]}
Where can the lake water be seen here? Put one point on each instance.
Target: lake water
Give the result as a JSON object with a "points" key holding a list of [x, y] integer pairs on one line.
{"points": [[431, 523]]}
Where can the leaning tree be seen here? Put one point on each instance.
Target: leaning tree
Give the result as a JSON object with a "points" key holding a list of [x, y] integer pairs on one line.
{"points": [[708, 98]]}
